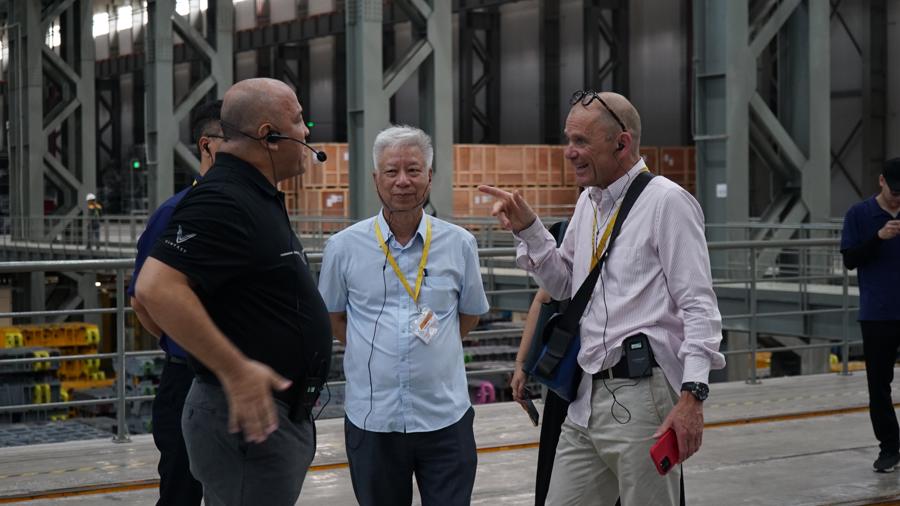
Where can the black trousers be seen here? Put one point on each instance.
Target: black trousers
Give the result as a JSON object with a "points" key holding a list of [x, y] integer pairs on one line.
{"points": [[177, 486], [555, 409], [880, 342], [382, 464]]}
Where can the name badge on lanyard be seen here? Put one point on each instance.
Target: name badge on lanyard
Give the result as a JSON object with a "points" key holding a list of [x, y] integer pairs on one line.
{"points": [[424, 323]]}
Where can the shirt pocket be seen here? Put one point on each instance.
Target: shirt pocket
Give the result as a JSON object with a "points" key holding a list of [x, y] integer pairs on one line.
{"points": [[440, 294], [629, 270]]}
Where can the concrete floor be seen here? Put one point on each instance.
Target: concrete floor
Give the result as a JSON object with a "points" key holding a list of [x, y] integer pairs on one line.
{"points": [[807, 443]]}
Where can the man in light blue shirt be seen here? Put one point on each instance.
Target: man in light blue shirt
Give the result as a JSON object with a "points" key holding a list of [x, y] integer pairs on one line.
{"points": [[403, 288]]}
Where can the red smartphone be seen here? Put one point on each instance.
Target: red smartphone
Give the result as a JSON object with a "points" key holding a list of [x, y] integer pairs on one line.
{"points": [[664, 452]]}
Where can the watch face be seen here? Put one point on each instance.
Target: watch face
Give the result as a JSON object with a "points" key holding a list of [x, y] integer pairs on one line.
{"points": [[698, 390]]}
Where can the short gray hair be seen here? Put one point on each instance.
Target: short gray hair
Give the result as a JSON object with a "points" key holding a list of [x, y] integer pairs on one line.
{"points": [[402, 136]]}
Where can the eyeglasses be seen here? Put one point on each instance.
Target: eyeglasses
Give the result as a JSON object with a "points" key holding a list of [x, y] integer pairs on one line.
{"points": [[588, 96], [213, 136]]}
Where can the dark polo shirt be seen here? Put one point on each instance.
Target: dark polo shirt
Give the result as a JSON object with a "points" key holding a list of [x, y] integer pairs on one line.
{"points": [[232, 238], [877, 261]]}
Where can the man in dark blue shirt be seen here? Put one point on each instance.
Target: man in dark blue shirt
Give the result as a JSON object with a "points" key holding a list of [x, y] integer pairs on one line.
{"points": [[871, 243], [176, 484]]}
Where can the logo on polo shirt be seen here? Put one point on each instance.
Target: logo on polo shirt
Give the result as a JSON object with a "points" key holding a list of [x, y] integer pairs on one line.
{"points": [[181, 237]]}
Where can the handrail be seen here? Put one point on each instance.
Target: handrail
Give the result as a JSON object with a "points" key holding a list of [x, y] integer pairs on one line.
{"points": [[801, 273]]}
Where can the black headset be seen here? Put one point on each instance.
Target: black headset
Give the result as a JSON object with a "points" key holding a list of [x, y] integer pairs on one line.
{"points": [[273, 137]]}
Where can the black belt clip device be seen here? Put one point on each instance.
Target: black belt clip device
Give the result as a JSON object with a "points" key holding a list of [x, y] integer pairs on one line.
{"points": [[638, 356]]}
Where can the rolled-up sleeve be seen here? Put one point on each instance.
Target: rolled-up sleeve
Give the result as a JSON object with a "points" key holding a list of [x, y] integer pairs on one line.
{"points": [[684, 256]]}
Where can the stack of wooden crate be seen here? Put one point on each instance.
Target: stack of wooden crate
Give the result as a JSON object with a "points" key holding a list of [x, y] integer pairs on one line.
{"points": [[537, 171], [540, 172]]}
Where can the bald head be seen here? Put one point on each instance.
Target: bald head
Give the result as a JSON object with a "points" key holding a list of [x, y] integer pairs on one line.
{"points": [[252, 102], [624, 110]]}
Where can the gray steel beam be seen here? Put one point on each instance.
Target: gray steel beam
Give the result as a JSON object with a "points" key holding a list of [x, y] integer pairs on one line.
{"points": [[549, 104], [367, 104], [302, 29], [874, 90], [109, 132], [370, 89], [161, 129], [479, 93], [74, 170], [606, 45], [163, 116], [436, 103], [726, 89], [27, 140], [339, 67], [72, 72], [816, 189]]}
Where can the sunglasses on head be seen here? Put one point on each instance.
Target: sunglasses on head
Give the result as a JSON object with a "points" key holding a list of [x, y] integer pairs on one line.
{"points": [[585, 97]]}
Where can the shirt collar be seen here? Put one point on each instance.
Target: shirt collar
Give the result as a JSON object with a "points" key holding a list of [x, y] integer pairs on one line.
{"points": [[245, 171], [875, 209], [389, 234], [619, 186]]}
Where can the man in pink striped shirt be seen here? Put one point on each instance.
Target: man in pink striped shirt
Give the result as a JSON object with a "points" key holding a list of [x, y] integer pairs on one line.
{"points": [[656, 283]]}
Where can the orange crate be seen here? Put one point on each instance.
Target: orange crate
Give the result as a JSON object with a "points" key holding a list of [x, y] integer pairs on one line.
{"points": [[461, 202], [333, 202], [673, 162], [343, 166], [651, 157], [462, 175], [558, 164]]}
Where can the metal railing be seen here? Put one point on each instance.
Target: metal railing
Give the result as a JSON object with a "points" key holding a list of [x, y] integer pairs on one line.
{"points": [[815, 265]]}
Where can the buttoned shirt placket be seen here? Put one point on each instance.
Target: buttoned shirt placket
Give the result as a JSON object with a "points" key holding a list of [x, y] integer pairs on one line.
{"points": [[408, 264]]}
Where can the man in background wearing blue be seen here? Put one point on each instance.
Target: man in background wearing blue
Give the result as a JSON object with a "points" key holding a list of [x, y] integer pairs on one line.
{"points": [[871, 243], [176, 485]]}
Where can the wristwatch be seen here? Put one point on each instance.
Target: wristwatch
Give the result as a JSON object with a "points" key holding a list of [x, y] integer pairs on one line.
{"points": [[698, 390]]}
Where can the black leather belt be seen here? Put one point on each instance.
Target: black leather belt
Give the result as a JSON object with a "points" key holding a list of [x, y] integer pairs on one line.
{"points": [[619, 371], [172, 359]]}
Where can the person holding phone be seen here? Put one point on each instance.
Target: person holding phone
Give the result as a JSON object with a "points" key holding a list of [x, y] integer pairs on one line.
{"points": [[554, 406], [870, 243], [654, 294]]}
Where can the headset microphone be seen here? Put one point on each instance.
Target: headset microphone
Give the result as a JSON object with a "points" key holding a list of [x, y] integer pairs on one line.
{"points": [[272, 138]]}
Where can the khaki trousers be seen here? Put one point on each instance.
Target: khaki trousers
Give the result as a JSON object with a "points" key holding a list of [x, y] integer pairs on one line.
{"points": [[609, 459]]}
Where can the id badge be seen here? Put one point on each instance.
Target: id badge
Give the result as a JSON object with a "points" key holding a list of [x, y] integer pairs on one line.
{"points": [[424, 324]]}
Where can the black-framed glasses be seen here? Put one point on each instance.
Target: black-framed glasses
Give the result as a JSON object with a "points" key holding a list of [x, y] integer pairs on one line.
{"points": [[213, 136], [588, 96]]}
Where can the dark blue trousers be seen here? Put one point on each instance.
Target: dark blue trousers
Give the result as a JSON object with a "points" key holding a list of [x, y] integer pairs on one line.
{"points": [[382, 464], [177, 486]]}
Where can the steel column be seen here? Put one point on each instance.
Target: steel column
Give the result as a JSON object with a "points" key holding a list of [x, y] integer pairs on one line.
{"points": [[549, 103], [479, 76], [163, 115], [606, 45], [874, 90], [161, 127], [370, 88]]}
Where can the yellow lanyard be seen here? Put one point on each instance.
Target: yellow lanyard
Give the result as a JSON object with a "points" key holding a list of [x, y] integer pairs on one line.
{"points": [[421, 274], [598, 251]]}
